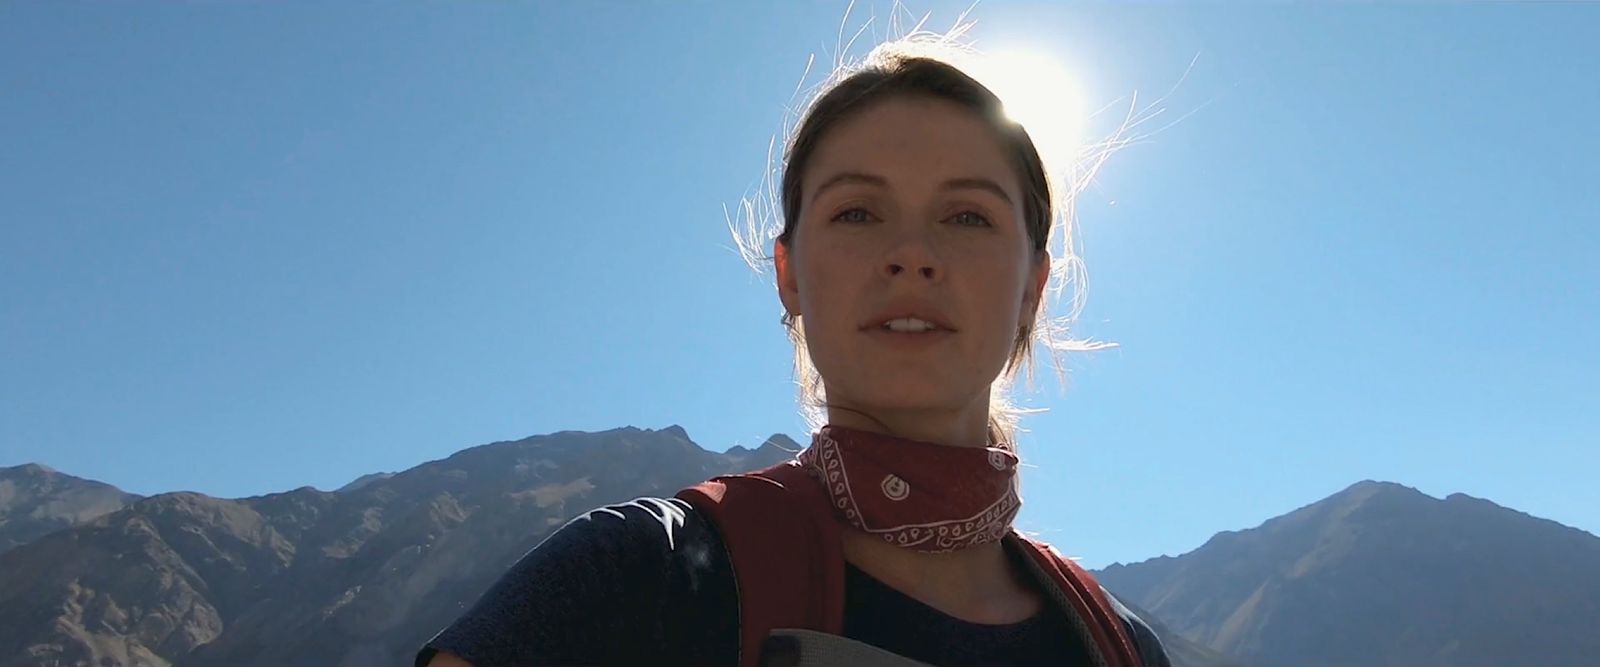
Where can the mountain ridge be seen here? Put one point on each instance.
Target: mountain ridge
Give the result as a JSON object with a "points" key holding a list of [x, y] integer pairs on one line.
{"points": [[1301, 588], [36, 500], [363, 574], [357, 577]]}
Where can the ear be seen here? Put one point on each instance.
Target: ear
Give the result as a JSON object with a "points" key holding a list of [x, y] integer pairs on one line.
{"points": [[788, 284], [1034, 295]]}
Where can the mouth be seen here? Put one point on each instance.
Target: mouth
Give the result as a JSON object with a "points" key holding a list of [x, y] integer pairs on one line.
{"points": [[909, 316], [909, 332], [913, 325], [908, 323]]}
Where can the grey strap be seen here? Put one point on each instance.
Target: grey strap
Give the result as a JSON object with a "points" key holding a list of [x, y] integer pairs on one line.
{"points": [[1048, 583], [789, 647]]}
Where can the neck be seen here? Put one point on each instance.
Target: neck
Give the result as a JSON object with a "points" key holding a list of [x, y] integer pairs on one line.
{"points": [[977, 584], [968, 427]]}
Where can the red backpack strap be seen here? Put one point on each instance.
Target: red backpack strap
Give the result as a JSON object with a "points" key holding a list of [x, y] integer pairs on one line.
{"points": [[784, 546], [1086, 598]]}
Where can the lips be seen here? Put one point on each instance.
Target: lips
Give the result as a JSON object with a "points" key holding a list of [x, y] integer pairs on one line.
{"points": [[909, 316], [910, 325]]}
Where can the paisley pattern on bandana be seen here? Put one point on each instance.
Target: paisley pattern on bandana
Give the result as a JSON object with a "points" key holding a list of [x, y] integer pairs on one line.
{"points": [[917, 495]]}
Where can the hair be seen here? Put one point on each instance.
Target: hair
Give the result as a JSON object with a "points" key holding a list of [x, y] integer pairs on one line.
{"points": [[924, 65]]}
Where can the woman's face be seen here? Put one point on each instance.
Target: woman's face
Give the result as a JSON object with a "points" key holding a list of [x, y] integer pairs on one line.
{"points": [[910, 209]]}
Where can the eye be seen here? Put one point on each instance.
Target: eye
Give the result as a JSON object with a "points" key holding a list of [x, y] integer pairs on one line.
{"points": [[856, 215], [970, 219]]}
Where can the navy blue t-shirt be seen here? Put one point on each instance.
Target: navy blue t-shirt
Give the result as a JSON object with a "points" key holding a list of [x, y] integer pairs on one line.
{"points": [[649, 582]]}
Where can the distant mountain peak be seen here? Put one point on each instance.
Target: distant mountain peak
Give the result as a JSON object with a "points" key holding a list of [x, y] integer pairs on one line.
{"points": [[782, 442], [364, 480], [36, 500], [1371, 486], [1466, 499], [29, 469], [1381, 573], [50, 475], [776, 447]]}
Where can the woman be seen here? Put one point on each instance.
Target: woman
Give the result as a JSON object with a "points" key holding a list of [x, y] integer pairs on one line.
{"points": [[911, 265]]}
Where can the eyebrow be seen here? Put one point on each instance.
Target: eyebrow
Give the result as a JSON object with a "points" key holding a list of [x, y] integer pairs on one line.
{"points": [[977, 184], [860, 178]]}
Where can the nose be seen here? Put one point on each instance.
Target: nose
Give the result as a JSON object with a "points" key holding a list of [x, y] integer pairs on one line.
{"points": [[894, 269], [913, 257]]}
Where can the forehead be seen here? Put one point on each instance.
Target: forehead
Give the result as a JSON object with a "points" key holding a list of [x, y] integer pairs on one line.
{"points": [[913, 142]]}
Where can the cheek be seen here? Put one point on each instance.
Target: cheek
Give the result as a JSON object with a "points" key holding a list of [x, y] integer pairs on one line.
{"points": [[829, 277], [997, 293]]}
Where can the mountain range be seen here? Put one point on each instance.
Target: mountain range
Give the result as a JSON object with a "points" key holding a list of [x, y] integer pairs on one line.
{"points": [[1378, 574], [1381, 574]]}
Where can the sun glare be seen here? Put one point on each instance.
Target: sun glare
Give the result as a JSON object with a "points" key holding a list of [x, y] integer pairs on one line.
{"points": [[1040, 94]]}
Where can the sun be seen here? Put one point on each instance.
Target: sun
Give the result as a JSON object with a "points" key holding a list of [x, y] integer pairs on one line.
{"points": [[1042, 95]]}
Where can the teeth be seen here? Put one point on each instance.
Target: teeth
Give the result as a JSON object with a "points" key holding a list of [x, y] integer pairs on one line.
{"points": [[909, 325]]}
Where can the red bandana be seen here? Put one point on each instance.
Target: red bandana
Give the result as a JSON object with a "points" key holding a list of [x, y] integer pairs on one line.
{"points": [[918, 495]]}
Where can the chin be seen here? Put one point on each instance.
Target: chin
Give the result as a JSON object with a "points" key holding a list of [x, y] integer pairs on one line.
{"points": [[909, 395]]}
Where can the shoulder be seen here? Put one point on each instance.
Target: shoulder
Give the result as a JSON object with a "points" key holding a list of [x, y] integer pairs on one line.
{"points": [[640, 579], [648, 525], [635, 546], [1145, 639]]}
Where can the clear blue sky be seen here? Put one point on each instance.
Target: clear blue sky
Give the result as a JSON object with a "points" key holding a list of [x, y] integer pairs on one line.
{"points": [[248, 247]]}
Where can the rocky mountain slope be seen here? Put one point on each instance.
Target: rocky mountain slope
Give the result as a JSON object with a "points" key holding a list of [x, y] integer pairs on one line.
{"points": [[355, 578], [36, 500], [1381, 574], [1378, 574]]}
